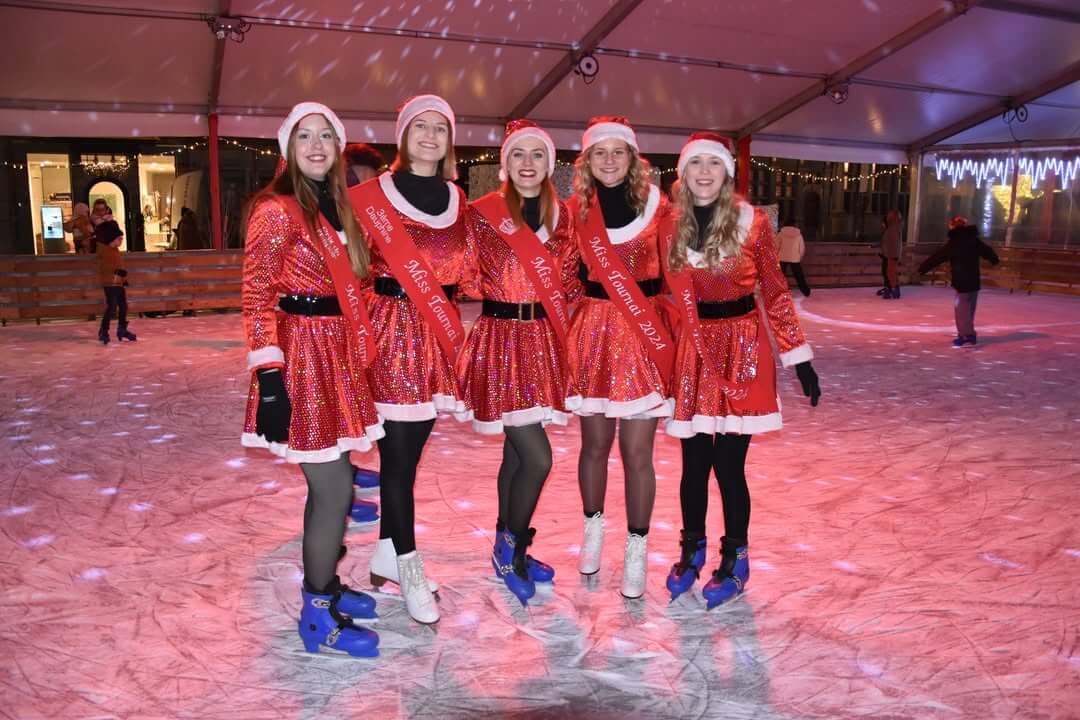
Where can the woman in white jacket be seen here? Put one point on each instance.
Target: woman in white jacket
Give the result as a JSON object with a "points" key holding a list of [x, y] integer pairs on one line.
{"points": [[790, 247]]}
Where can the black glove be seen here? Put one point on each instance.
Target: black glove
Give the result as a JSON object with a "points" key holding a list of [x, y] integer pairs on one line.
{"points": [[274, 412], [808, 380]]}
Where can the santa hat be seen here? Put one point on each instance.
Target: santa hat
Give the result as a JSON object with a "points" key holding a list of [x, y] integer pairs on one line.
{"points": [[298, 113], [606, 127], [518, 130], [417, 105], [707, 143]]}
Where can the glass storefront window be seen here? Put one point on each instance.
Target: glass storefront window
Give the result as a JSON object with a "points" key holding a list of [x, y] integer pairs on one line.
{"points": [[156, 175], [980, 187], [50, 202]]}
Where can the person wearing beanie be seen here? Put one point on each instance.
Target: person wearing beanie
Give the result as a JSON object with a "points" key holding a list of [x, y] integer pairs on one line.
{"points": [[308, 342], [962, 251], [420, 232], [512, 369], [80, 227], [619, 347], [113, 278], [721, 252]]}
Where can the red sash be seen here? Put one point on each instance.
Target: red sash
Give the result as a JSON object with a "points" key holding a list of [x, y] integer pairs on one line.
{"points": [[534, 258], [387, 231], [623, 290], [346, 284], [682, 289]]}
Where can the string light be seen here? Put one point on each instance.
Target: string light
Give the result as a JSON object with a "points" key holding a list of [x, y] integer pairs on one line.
{"points": [[1001, 169], [814, 177]]}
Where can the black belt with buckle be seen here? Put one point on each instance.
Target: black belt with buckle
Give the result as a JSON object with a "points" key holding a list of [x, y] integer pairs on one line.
{"points": [[650, 287], [391, 287], [310, 305], [728, 309], [513, 311]]}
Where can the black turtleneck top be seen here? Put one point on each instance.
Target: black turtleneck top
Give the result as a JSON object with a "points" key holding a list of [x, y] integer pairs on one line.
{"points": [[327, 206], [703, 214], [531, 212], [427, 194], [615, 204]]}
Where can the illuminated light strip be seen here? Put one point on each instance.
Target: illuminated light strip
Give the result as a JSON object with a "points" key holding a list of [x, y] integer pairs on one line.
{"points": [[825, 178], [1001, 169]]}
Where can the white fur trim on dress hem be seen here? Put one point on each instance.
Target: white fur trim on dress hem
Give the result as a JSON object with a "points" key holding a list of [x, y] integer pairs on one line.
{"points": [[520, 418], [803, 353], [425, 410], [730, 424], [265, 356], [650, 406], [344, 445]]}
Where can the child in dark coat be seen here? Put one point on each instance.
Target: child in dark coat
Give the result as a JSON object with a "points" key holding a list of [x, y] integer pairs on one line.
{"points": [[963, 251], [113, 277]]}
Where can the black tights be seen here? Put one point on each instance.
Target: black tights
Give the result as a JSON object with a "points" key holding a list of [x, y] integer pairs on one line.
{"points": [[399, 454], [726, 456], [330, 494], [636, 448], [525, 466]]}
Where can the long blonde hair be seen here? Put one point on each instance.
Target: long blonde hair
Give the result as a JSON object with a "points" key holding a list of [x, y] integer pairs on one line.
{"points": [[292, 182], [722, 240], [637, 194]]}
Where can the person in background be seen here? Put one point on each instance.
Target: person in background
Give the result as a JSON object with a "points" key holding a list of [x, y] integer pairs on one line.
{"points": [[187, 231], [963, 251], [100, 213], [790, 247], [80, 227], [113, 278], [362, 162], [892, 242]]}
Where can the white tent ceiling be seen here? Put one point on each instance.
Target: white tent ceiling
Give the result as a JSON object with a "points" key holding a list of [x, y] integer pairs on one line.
{"points": [[919, 72]]}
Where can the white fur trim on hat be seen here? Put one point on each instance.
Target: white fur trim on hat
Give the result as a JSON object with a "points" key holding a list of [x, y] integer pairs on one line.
{"points": [[421, 104], [298, 113], [519, 135], [706, 147], [606, 130]]}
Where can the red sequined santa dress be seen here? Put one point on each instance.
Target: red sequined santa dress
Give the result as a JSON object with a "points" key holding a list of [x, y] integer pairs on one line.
{"points": [[512, 372], [609, 370], [411, 377], [321, 358], [737, 347]]}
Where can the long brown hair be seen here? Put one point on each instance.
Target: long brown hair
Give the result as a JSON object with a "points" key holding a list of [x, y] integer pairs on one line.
{"points": [[723, 238], [447, 167], [637, 193], [515, 202], [291, 182]]}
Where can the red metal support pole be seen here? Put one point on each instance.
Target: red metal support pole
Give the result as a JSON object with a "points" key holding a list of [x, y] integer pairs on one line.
{"points": [[215, 184], [742, 179]]}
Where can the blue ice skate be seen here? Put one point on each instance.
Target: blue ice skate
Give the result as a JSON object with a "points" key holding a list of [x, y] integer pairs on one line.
{"points": [[322, 625], [509, 563], [729, 580], [365, 478], [363, 511], [685, 573], [539, 571]]}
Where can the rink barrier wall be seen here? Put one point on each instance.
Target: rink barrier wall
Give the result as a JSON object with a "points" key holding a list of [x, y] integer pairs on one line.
{"points": [[58, 286]]}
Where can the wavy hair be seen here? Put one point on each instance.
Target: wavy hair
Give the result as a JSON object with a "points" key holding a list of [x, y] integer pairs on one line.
{"points": [[722, 240], [637, 192]]}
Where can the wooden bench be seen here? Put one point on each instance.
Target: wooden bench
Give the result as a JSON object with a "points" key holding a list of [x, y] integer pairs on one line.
{"points": [[58, 286]]}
